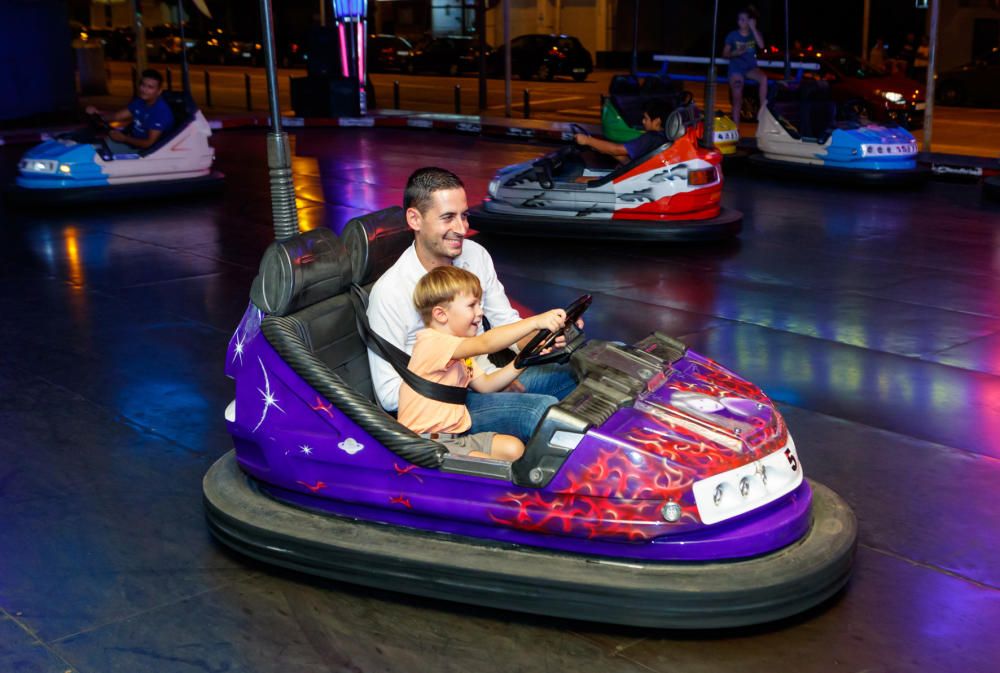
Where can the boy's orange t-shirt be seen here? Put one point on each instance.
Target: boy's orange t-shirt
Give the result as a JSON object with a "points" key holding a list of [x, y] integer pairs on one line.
{"points": [[432, 360]]}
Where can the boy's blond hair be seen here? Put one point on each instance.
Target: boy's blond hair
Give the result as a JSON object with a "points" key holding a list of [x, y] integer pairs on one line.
{"points": [[440, 286]]}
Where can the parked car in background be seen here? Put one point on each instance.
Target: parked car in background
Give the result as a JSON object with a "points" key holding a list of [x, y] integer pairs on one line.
{"points": [[863, 90], [118, 43], [388, 52], [292, 52], [545, 57], [975, 83], [448, 55], [858, 88], [163, 43], [243, 50], [211, 49]]}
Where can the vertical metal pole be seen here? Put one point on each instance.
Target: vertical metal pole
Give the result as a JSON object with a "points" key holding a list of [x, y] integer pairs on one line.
{"points": [[246, 84], [527, 104], [506, 57], [709, 122], [185, 75], [279, 162], [208, 90], [481, 30], [931, 69], [395, 94], [864, 30], [788, 55], [140, 38], [635, 37], [458, 99]]}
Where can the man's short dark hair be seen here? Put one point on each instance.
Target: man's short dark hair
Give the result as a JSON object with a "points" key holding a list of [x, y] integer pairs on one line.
{"points": [[656, 108], [424, 182], [152, 73]]}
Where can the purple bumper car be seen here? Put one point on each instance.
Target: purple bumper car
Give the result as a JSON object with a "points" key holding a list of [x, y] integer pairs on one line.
{"points": [[665, 491]]}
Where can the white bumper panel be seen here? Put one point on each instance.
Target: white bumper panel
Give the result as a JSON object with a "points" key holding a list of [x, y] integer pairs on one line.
{"points": [[748, 487]]}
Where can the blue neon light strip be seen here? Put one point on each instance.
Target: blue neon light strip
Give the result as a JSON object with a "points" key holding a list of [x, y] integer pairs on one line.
{"points": [[350, 9]]}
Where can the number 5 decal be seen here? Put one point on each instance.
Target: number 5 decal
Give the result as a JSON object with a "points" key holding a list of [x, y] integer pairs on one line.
{"points": [[792, 460]]}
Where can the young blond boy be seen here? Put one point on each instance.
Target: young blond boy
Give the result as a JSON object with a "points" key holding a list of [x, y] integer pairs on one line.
{"points": [[449, 302]]}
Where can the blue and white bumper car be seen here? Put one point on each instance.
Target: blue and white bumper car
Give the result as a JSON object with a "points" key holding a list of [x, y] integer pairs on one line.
{"points": [[800, 134], [78, 166]]}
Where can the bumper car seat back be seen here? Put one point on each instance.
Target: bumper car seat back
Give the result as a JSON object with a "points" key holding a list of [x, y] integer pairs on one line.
{"points": [[183, 108], [375, 241], [306, 281], [303, 288]]}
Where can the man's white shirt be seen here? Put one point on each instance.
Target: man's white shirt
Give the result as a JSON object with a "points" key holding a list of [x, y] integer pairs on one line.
{"points": [[392, 315]]}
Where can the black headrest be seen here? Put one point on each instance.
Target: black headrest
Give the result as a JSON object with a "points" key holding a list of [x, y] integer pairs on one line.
{"points": [[181, 104], [657, 86], [375, 241], [300, 272], [679, 120], [623, 85]]}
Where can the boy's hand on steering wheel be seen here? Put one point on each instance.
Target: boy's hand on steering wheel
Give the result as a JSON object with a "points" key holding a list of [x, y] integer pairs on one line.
{"points": [[115, 134], [580, 138], [551, 320]]}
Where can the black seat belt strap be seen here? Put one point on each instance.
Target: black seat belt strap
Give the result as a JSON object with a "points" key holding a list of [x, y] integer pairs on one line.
{"points": [[398, 358]]}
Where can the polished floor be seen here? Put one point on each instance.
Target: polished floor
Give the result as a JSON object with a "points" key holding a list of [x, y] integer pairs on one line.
{"points": [[872, 317]]}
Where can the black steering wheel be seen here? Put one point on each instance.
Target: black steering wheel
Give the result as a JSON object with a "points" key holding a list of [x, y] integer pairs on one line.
{"points": [[576, 128], [98, 123], [533, 353]]}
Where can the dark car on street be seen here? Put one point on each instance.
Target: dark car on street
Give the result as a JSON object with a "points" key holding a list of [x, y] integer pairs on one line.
{"points": [[221, 48], [118, 43], [164, 44], [545, 57], [975, 83], [388, 52], [448, 55]]}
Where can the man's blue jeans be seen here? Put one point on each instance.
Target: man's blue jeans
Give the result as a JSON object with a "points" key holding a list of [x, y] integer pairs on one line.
{"points": [[518, 413]]}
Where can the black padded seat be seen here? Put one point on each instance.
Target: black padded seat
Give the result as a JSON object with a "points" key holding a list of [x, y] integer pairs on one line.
{"points": [[329, 329], [306, 281], [804, 109]]}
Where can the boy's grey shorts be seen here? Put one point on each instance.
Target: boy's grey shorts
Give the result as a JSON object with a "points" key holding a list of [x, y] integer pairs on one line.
{"points": [[463, 445]]}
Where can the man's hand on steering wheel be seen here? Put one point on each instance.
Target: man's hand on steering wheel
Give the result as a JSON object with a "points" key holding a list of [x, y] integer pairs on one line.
{"points": [[560, 340], [98, 123], [542, 348]]}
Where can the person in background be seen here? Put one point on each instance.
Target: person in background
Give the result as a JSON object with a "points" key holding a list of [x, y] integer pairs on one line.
{"points": [[149, 114], [922, 59], [876, 57], [740, 48], [654, 117], [906, 54]]}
